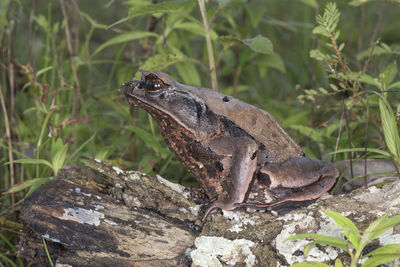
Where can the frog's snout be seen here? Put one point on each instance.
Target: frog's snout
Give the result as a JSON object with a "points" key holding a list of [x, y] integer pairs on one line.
{"points": [[128, 87]]}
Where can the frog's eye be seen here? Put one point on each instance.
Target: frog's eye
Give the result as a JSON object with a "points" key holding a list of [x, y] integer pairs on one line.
{"points": [[153, 85]]}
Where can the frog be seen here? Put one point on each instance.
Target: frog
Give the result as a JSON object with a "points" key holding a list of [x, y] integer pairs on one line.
{"points": [[239, 154]]}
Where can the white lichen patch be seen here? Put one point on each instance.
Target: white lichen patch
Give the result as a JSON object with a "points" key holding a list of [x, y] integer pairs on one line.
{"points": [[97, 160], [389, 238], [79, 192], [219, 251], [134, 176], [176, 187], [117, 170], [98, 207], [288, 248], [81, 215], [195, 209], [238, 220], [47, 237]]}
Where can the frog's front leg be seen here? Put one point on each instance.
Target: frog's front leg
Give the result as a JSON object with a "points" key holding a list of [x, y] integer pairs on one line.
{"points": [[296, 180], [242, 155]]}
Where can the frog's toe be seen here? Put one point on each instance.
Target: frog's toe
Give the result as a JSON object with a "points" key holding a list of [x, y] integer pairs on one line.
{"points": [[216, 204]]}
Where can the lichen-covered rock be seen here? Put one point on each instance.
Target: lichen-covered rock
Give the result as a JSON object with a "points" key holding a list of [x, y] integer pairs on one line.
{"points": [[113, 217]]}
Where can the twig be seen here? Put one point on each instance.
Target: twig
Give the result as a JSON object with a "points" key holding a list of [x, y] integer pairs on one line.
{"points": [[78, 95], [214, 82], [10, 67], [339, 135], [9, 141], [366, 139], [346, 124]]}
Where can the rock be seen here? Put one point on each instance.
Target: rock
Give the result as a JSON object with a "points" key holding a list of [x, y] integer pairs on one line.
{"points": [[99, 215]]}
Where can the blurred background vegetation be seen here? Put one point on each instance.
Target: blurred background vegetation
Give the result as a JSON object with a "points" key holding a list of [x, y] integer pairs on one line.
{"points": [[332, 82]]}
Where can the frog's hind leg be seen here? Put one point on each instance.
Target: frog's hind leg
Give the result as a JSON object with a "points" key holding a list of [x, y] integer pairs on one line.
{"points": [[242, 152], [299, 196]]}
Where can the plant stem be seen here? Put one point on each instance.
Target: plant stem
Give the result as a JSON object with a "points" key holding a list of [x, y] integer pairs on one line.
{"points": [[214, 82]]}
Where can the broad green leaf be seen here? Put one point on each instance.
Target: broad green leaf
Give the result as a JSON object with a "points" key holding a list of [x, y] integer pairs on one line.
{"points": [[58, 160], [379, 260], [32, 161], [188, 73], [383, 226], [394, 85], [350, 229], [338, 263], [28, 183], [314, 134], [387, 249], [194, 28], [160, 62], [260, 44], [389, 73], [80, 147], [125, 37], [322, 239], [161, 8], [358, 2], [389, 126], [310, 264], [311, 3]]}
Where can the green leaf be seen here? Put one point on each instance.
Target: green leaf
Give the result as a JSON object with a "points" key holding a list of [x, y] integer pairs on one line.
{"points": [[194, 28], [58, 159], [394, 85], [125, 37], [350, 229], [389, 126], [379, 260], [310, 264], [389, 73], [260, 44], [382, 226], [322, 239], [311, 3], [32, 161], [338, 263], [162, 8], [358, 2], [160, 62], [385, 250], [321, 30], [28, 183]]}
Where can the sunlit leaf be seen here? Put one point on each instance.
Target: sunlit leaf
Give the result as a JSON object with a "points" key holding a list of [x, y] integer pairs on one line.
{"points": [[350, 229], [379, 260], [125, 37], [260, 44], [161, 8], [322, 239], [26, 184], [160, 62], [310, 264]]}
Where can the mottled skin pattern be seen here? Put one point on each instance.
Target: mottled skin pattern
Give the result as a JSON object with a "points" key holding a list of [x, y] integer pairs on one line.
{"points": [[238, 153]]}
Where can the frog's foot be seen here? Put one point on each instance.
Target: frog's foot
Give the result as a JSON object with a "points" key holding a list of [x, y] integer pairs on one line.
{"points": [[281, 207], [216, 204]]}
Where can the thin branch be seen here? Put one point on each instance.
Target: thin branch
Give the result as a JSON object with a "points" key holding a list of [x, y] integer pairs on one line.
{"points": [[214, 82]]}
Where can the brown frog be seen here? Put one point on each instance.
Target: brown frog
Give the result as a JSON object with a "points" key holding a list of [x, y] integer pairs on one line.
{"points": [[239, 154]]}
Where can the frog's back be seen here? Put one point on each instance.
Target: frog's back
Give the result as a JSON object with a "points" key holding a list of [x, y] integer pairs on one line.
{"points": [[256, 122]]}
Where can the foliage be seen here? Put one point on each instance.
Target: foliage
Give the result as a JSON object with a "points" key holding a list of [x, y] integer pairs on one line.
{"points": [[355, 242], [61, 63]]}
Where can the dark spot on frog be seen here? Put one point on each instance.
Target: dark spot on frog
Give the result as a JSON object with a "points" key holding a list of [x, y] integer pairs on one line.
{"points": [[225, 99], [254, 155], [264, 179]]}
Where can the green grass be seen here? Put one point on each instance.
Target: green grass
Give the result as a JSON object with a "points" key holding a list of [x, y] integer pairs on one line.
{"points": [[62, 62]]}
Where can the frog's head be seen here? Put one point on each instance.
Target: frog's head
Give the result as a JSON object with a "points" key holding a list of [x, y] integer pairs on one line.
{"points": [[163, 97]]}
